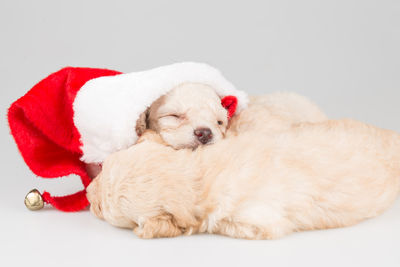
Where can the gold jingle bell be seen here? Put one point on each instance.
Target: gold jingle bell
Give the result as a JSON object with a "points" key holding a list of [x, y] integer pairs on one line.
{"points": [[34, 200]]}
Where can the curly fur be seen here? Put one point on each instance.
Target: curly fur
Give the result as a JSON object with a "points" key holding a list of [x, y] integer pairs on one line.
{"points": [[255, 185]]}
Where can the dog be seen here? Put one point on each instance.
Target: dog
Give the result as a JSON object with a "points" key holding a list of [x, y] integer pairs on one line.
{"points": [[186, 117], [254, 185], [189, 115]]}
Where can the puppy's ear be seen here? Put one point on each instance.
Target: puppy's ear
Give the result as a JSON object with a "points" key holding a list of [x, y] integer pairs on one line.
{"points": [[230, 104], [141, 123]]}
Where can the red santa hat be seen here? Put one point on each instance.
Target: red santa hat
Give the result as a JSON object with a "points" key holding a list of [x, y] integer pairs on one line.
{"points": [[78, 116]]}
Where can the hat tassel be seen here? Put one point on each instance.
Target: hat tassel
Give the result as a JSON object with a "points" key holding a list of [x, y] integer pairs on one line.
{"points": [[34, 200]]}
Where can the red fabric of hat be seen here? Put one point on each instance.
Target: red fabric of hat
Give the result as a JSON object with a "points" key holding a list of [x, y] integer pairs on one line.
{"points": [[41, 123]]}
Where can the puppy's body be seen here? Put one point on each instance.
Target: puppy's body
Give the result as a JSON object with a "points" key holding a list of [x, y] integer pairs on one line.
{"points": [[275, 112], [256, 186]]}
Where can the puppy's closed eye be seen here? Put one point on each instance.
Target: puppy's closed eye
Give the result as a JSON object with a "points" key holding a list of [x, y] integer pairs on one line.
{"points": [[177, 116], [173, 118], [170, 120]]}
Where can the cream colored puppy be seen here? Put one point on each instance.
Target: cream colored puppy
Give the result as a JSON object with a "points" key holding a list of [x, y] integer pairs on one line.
{"points": [[254, 185], [275, 112], [188, 116]]}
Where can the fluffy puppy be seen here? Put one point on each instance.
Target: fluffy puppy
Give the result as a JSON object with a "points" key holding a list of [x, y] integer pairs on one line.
{"points": [[188, 116], [191, 115], [254, 185], [275, 112]]}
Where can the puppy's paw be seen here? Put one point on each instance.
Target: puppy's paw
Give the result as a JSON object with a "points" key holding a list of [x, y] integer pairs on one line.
{"points": [[274, 230], [159, 226]]}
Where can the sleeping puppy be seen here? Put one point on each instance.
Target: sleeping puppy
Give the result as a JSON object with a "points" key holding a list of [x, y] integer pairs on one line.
{"points": [[188, 116], [254, 185], [191, 115]]}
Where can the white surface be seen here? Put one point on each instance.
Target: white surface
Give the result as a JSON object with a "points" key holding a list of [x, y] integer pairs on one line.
{"points": [[343, 54], [51, 238]]}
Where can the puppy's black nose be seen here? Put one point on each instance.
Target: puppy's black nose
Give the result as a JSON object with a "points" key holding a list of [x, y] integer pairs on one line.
{"points": [[204, 135]]}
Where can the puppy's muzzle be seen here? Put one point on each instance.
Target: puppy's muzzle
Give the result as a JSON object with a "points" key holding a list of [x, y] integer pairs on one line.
{"points": [[204, 135]]}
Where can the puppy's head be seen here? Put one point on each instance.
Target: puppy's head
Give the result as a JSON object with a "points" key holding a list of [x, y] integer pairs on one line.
{"points": [[188, 116]]}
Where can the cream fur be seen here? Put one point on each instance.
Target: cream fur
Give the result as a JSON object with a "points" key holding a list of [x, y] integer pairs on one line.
{"points": [[255, 185], [176, 115], [275, 112]]}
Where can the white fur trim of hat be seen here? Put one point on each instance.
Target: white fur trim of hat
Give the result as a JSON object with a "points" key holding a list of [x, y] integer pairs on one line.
{"points": [[106, 109]]}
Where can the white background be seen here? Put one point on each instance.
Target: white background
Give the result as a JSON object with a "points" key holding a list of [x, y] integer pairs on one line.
{"points": [[344, 55]]}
